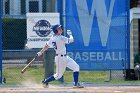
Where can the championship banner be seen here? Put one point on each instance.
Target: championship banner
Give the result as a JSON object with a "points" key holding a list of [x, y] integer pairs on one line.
{"points": [[101, 33], [39, 28]]}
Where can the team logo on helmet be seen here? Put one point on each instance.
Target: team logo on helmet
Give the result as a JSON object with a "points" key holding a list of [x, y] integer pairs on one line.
{"points": [[42, 28]]}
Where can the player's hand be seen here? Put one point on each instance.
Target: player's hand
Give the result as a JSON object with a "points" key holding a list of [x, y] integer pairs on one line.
{"points": [[39, 53], [69, 32]]}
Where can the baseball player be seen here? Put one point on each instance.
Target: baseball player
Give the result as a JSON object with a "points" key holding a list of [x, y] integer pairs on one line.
{"points": [[62, 60]]}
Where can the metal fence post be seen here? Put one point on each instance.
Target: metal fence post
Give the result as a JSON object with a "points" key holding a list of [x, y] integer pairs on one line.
{"points": [[49, 56]]}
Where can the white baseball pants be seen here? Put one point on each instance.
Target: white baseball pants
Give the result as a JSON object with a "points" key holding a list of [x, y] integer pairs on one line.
{"points": [[62, 62]]}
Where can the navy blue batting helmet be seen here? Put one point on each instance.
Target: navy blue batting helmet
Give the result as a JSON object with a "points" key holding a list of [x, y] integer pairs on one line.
{"points": [[55, 27]]}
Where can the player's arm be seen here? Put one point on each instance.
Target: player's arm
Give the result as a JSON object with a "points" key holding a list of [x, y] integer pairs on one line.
{"points": [[42, 50], [71, 39]]}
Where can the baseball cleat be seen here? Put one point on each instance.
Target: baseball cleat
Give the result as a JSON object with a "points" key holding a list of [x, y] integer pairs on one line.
{"points": [[45, 85], [77, 86]]}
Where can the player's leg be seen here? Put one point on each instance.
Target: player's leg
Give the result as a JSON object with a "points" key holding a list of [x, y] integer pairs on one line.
{"points": [[60, 69], [75, 67], [49, 79], [46, 81]]}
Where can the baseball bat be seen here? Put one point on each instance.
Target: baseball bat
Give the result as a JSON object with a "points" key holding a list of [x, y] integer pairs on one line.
{"points": [[24, 69]]}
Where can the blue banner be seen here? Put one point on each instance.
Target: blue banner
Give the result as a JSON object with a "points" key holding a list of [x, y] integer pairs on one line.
{"points": [[101, 33]]}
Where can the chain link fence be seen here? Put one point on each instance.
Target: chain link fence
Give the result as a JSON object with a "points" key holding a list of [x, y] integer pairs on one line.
{"points": [[15, 55]]}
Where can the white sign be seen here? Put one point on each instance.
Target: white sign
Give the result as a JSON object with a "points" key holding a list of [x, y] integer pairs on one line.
{"points": [[39, 28]]}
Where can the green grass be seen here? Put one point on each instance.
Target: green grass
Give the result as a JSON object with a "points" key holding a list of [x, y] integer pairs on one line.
{"points": [[35, 75], [14, 76]]}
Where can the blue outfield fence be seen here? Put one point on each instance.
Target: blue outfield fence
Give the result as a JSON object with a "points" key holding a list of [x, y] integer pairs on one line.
{"points": [[0, 47], [101, 33], [99, 59]]}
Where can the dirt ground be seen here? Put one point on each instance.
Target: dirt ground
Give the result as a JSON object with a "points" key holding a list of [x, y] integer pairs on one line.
{"points": [[69, 89]]}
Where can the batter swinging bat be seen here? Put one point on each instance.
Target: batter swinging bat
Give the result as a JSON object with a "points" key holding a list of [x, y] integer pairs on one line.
{"points": [[23, 70]]}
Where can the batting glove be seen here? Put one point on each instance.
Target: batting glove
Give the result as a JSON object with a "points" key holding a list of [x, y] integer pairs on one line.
{"points": [[69, 32], [39, 53]]}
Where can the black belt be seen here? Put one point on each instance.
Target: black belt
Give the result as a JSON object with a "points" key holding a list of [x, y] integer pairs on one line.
{"points": [[61, 55]]}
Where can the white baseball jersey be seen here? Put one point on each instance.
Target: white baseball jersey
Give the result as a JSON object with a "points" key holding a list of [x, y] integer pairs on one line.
{"points": [[62, 60], [58, 42]]}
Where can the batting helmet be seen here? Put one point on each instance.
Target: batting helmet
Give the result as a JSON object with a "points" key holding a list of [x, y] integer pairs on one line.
{"points": [[55, 27]]}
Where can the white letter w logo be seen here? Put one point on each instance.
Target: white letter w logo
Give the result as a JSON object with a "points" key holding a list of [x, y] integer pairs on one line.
{"points": [[86, 19]]}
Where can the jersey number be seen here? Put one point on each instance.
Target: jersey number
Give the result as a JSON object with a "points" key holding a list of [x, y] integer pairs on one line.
{"points": [[54, 45]]}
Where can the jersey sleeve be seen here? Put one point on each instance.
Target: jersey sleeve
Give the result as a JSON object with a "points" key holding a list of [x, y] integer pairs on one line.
{"points": [[65, 40]]}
